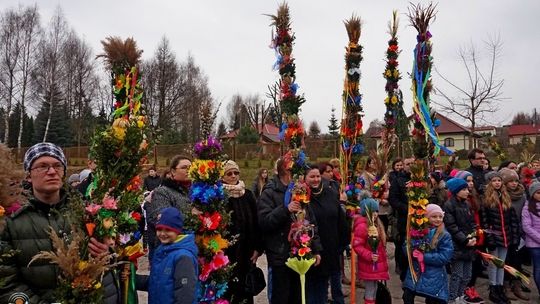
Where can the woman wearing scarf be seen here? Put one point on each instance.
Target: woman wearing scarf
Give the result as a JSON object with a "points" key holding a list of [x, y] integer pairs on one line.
{"points": [[244, 225], [173, 192]]}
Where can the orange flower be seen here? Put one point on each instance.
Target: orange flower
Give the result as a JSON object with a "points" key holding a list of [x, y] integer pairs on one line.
{"points": [[302, 251]]}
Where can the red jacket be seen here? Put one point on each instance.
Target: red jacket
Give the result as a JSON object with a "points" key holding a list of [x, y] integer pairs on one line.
{"points": [[366, 269]]}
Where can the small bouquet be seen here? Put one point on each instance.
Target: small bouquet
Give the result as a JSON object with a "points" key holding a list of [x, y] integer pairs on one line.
{"points": [[373, 235], [80, 279], [500, 264]]}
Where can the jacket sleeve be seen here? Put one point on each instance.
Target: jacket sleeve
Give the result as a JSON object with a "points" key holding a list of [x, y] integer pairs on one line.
{"points": [[526, 222], [272, 215], [450, 222], [259, 243], [159, 201], [185, 280], [344, 228], [10, 281], [484, 217], [395, 196], [316, 245], [359, 243], [516, 230], [443, 254]]}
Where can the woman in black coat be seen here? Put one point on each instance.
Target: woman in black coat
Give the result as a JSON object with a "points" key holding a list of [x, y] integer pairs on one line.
{"points": [[244, 225], [334, 235]]}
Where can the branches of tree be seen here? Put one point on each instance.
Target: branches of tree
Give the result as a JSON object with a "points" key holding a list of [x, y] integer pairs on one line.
{"points": [[522, 118], [476, 100]]}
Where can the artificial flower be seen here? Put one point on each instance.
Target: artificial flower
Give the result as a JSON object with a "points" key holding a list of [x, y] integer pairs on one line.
{"points": [[304, 238], [210, 222], [92, 208], [108, 222], [2, 211], [136, 216], [303, 251], [109, 203]]}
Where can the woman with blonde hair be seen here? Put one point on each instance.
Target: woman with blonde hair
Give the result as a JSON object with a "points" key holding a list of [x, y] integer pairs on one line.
{"points": [[500, 218], [260, 182]]}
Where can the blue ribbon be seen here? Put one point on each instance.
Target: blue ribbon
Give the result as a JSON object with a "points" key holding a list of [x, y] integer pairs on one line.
{"points": [[288, 195]]}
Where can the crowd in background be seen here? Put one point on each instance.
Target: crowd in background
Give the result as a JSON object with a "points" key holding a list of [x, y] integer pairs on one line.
{"points": [[478, 209]]}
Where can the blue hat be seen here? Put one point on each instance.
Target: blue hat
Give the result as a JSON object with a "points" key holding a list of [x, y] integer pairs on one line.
{"points": [[171, 219], [455, 185], [43, 149], [368, 203], [463, 174]]}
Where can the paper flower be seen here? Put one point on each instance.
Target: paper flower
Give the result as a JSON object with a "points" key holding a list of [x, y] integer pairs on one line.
{"points": [[109, 203], [92, 208]]}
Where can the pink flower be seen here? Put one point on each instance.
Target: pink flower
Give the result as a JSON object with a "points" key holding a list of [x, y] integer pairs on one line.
{"points": [[124, 238], [222, 301], [220, 260], [92, 208], [109, 203], [304, 238]]}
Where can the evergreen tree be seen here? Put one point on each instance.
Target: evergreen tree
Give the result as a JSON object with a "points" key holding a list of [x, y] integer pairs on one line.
{"points": [[247, 135], [333, 128], [222, 129], [314, 130], [59, 132]]}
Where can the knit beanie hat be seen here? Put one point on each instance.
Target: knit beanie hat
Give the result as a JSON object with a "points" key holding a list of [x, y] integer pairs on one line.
{"points": [[534, 187], [437, 176], [43, 149], [432, 209], [368, 203], [171, 219], [508, 175], [230, 165], [73, 178], [455, 185], [463, 174], [453, 172], [491, 175]]}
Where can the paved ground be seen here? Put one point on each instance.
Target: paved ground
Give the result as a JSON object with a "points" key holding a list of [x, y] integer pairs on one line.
{"points": [[394, 285]]}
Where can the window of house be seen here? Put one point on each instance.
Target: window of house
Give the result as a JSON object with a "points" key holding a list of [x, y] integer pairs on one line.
{"points": [[449, 142]]}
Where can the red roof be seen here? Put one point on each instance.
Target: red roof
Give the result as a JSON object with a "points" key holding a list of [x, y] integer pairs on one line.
{"points": [[447, 126], [268, 131], [520, 130]]}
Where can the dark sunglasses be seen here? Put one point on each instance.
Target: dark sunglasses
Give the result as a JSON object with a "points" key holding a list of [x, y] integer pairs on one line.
{"points": [[231, 173]]}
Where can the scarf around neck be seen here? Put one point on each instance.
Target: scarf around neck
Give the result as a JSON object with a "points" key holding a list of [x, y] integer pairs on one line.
{"points": [[236, 190]]}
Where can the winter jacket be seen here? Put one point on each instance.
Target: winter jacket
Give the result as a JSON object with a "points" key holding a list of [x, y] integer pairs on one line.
{"points": [[531, 226], [334, 232], [518, 200], [504, 225], [169, 194], [245, 226], [459, 222], [275, 222], [433, 282], [151, 183], [399, 201], [366, 268], [27, 231], [174, 274]]}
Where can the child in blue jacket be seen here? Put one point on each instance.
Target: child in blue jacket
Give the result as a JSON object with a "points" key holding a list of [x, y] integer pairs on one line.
{"points": [[174, 271], [432, 282]]}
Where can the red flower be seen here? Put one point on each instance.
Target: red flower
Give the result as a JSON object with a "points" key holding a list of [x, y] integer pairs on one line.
{"points": [[136, 216]]}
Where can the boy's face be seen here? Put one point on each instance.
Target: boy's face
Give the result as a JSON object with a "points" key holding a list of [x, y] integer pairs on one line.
{"points": [[166, 236], [435, 219]]}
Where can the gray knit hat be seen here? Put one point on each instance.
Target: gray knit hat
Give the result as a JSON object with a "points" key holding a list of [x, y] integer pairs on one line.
{"points": [[533, 188], [43, 149], [492, 174]]}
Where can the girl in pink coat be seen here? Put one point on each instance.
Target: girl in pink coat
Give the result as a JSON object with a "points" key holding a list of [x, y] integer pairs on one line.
{"points": [[372, 263]]}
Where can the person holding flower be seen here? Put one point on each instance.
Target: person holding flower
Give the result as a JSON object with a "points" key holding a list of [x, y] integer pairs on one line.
{"points": [[173, 276], [500, 218], [173, 192], [275, 218], [334, 236], [243, 224], [370, 245], [459, 221], [27, 230], [432, 281]]}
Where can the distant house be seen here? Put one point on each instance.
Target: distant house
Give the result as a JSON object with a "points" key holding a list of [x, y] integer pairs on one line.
{"points": [[452, 134], [516, 133], [269, 132]]}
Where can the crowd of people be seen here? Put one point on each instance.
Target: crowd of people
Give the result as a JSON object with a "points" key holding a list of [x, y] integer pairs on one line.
{"points": [[471, 211]]}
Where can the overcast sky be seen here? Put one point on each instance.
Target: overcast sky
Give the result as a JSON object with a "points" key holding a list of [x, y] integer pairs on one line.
{"points": [[229, 40]]}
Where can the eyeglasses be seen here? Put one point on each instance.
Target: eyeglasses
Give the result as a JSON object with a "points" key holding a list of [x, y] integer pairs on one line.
{"points": [[231, 173], [44, 168]]}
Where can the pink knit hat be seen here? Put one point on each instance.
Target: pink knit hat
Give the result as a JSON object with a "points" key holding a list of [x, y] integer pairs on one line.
{"points": [[432, 209]]}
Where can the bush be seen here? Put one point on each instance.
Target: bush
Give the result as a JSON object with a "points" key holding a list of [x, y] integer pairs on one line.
{"points": [[246, 163]]}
